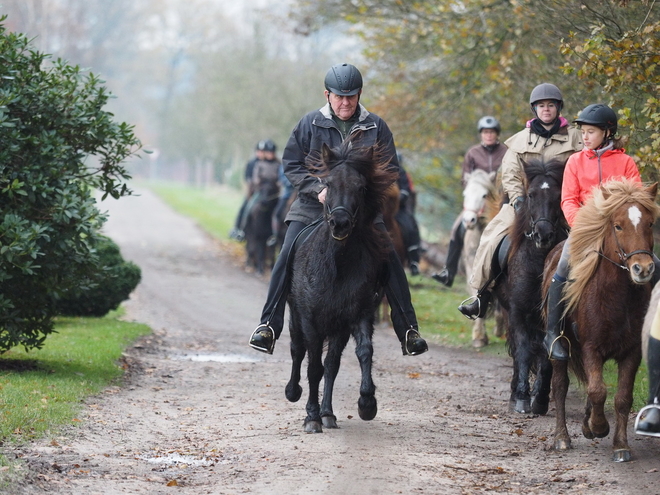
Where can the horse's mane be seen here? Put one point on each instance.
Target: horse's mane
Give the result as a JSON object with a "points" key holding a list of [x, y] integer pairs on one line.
{"points": [[369, 162], [590, 231], [553, 169]]}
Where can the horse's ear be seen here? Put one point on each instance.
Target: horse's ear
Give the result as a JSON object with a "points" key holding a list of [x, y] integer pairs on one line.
{"points": [[492, 176], [653, 189], [466, 177], [326, 153]]}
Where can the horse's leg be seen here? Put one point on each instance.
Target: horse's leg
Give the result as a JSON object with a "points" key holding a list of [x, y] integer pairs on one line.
{"points": [[332, 361], [522, 357], [541, 390], [560, 382], [500, 322], [622, 405], [293, 390], [314, 375], [479, 337], [364, 350], [594, 424]]}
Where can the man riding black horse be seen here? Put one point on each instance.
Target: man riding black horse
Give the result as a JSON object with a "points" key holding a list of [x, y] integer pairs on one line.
{"points": [[341, 117]]}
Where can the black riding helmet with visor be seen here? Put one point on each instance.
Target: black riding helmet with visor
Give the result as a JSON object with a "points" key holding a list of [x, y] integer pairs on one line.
{"points": [[343, 80], [600, 116]]}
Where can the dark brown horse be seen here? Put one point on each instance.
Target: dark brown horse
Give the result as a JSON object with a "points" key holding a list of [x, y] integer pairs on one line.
{"points": [[611, 265], [259, 228], [337, 275], [539, 225]]}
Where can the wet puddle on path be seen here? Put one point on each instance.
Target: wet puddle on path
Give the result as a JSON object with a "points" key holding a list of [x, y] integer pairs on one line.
{"points": [[216, 358]]}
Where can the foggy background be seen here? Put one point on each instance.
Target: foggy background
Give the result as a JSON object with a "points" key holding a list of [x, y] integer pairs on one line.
{"points": [[201, 80]]}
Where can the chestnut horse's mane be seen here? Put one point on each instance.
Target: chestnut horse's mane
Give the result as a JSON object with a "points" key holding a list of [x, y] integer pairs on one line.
{"points": [[590, 231]]}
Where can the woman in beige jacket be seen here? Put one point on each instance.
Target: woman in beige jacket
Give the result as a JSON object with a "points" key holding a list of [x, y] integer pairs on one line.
{"points": [[546, 137]]}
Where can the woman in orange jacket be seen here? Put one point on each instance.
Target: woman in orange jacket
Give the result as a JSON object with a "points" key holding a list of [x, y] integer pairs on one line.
{"points": [[602, 159]]}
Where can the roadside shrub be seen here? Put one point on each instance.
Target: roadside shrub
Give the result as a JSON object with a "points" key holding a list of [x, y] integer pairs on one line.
{"points": [[108, 287], [57, 145]]}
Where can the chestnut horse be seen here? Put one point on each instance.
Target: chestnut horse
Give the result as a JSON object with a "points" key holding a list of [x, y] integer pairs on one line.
{"points": [[337, 276], [611, 266]]}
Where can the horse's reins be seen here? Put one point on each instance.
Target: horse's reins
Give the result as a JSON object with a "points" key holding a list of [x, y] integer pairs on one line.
{"points": [[623, 256]]}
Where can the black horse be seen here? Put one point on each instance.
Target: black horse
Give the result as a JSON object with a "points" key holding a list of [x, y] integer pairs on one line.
{"points": [[538, 227], [337, 280], [258, 228]]}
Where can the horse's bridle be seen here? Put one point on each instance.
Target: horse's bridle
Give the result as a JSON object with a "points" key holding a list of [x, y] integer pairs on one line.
{"points": [[352, 215], [623, 256], [532, 223]]}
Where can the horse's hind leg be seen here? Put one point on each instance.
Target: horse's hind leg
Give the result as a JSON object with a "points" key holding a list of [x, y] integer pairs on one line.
{"points": [[331, 365], [314, 375], [622, 404], [367, 405], [541, 390]]}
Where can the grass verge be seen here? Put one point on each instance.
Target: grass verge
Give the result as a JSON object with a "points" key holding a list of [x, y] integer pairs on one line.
{"points": [[440, 322], [43, 390]]}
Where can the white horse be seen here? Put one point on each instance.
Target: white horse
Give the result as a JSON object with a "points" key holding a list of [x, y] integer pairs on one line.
{"points": [[479, 197]]}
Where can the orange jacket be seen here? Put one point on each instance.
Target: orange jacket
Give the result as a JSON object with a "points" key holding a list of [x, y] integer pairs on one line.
{"points": [[586, 170]]}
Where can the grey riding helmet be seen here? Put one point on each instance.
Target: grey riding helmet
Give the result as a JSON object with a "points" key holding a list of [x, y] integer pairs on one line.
{"points": [[343, 80], [488, 122], [599, 115], [546, 91]]}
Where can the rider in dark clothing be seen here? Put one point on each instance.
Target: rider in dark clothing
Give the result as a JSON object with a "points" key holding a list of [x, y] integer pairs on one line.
{"points": [[486, 156], [341, 116], [405, 217], [264, 159]]}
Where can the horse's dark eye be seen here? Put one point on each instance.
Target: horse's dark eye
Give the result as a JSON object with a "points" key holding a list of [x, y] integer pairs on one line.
{"points": [[618, 228]]}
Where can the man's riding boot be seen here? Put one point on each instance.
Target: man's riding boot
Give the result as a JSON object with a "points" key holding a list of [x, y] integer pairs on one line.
{"points": [[648, 419], [272, 316], [402, 313], [554, 334], [477, 308]]}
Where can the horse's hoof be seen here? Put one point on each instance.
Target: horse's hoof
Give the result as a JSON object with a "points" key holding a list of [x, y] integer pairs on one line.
{"points": [[330, 421], [601, 432], [293, 392], [562, 444], [539, 407], [622, 455], [313, 427], [522, 406], [479, 343], [367, 408]]}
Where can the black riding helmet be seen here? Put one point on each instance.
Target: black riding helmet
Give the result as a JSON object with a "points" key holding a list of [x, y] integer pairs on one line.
{"points": [[343, 80], [600, 116], [269, 145]]}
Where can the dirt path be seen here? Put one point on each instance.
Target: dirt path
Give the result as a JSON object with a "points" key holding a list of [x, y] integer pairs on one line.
{"points": [[203, 413]]}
